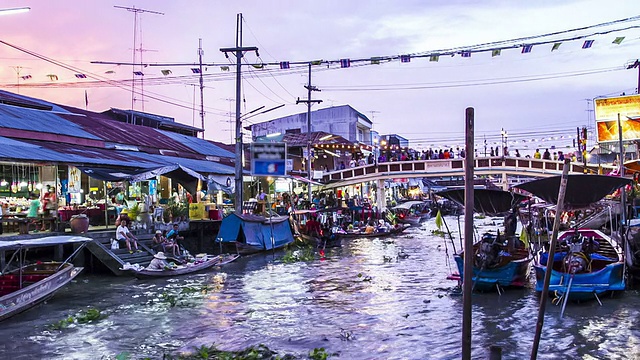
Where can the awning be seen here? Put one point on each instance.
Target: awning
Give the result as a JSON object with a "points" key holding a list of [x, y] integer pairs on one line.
{"points": [[305, 180], [110, 174], [175, 170], [486, 201], [42, 242]]}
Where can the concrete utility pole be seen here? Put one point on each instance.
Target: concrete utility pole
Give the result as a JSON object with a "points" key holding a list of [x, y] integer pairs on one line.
{"points": [[467, 276], [200, 53], [238, 51], [309, 88]]}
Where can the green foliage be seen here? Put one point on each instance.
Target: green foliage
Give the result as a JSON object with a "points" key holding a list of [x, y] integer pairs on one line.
{"points": [[319, 354], [84, 317], [300, 254], [260, 352], [479, 217], [181, 297], [438, 233], [133, 211], [123, 356], [178, 208]]}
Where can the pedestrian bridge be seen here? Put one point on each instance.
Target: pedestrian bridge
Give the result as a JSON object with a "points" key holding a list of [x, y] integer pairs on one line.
{"points": [[500, 167]]}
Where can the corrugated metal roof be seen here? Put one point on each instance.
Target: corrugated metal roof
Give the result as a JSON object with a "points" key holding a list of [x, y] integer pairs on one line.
{"points": [[15, 117], [199, 145], [201, 166], [169, 121], [17, 100]]}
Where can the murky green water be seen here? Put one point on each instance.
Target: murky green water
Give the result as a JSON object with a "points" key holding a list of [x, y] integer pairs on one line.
{"points": [[372, 299]]}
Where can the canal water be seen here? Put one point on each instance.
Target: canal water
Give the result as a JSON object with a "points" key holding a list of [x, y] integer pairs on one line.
{"points": [[371, 299]]}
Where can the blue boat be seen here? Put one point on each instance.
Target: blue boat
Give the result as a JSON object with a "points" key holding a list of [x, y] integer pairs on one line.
{"points": [[499, 260], [586, 262], [496, 265], [248, 233]]}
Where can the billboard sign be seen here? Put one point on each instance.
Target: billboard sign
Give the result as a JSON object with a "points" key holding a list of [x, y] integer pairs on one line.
{"points": [[607, 110], [268, 159]]}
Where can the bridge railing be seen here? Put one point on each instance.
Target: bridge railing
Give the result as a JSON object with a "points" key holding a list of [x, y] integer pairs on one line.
{"points": [[549, 167]]}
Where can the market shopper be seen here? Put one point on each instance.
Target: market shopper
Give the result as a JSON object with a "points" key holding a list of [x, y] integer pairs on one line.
{"points": [[174, 235], [124, 235]]}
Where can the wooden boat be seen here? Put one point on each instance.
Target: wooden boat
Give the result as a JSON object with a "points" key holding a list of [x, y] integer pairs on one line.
{"points": [[188, 268], [398, 229], [29, 285], [411, 212], [586, 262], [499, 260]]}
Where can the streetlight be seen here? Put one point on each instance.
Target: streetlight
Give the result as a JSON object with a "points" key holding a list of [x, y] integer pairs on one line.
{"points": [[14, 11], [504, 135]]}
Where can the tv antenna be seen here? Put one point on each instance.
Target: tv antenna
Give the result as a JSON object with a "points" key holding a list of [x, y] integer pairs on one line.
{"points": [[137, 28], [18, 69]]}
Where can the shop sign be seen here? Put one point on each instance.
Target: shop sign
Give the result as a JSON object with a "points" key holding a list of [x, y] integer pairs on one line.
{"points": [[268, 159], [609, 108]]}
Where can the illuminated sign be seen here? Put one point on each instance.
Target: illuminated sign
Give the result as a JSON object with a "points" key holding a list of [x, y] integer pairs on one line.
{"points": [[607, 111], [609, 108]]}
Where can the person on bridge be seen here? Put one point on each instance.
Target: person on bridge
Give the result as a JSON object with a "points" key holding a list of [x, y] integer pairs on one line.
{"points": [[517, 153], [537, 154], [546, 155]]}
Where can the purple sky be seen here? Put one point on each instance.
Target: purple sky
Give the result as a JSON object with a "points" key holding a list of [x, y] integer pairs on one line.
{"points": [[75, 33]]}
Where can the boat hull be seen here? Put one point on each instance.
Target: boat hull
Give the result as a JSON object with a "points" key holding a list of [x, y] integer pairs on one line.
{"points": [[583, 286], [42, 290], [215, 261], [512, 274]]}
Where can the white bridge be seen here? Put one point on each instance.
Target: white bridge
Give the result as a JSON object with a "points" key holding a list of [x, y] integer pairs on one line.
{"points": [[497, 167]]}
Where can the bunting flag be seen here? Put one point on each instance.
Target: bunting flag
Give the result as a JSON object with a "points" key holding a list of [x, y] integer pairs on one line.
{"points": [[52, 77], [109, 72], [618, 40], [434, 58], [556, 46], [165, 72], [345, 63], [26, 77], [527, 49], [405, 58], [258, 66], [138, 73], [195, 70], [439, 220], [81, 76], [587, 44], [284, 65], [466, 54], [86, 99], [375, 61], [495, 52], [224, 68], [316, 62]]}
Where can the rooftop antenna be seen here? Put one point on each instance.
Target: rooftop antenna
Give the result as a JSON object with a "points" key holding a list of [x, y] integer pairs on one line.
{"points": [[137, 28], [18, 70]]}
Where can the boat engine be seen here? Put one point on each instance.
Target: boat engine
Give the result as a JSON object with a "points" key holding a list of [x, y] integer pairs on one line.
{"points": [[579, 250], [487, 255]]}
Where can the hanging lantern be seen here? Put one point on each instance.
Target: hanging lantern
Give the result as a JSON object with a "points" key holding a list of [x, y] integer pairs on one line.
{"points": [[14, 187]]}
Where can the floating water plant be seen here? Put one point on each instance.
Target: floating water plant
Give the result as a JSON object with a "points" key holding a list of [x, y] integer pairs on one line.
{"points": [[437, 232], [87, 316], [301, 254]]}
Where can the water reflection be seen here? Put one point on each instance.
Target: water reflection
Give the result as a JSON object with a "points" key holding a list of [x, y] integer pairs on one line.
{"points": [[371, 299]]}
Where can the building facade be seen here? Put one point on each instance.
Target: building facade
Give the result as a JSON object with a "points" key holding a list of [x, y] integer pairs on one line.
{"points": [[342, 120]]}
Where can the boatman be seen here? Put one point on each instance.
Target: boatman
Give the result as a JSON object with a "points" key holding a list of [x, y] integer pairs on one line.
{"points": [[158, 262]]}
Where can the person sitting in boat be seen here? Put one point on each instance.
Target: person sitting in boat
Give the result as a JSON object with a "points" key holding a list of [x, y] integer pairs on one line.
{"points": [[369, 229], [161, 242], [124, 235], [487, 255], [313, 227], [158, 262], [174, 235]]}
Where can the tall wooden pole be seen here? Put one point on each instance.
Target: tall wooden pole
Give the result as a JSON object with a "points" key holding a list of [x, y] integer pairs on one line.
{"points": [[552, 251], [468, 235]]}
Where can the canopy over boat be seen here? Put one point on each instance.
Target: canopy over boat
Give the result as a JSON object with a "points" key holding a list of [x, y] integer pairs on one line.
{"points": [[256, 230], [582, 190], [42, 242], [409, 204], [486, 201]]}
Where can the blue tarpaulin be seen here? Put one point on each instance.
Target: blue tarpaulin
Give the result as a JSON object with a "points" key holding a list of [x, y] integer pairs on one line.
{"points": [[256, 230]]}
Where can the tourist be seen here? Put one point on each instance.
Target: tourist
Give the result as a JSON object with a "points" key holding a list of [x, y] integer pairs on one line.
{"points": [[313, 227], [546, 155], [49, 205], [124, 235], [34, 206], [492, 153], [342, 166], [352, 163], [158, 262], [555, 156], [161, 242], [174, 236], [560, 156], [370, 229], [517, 153], [537, 154]]}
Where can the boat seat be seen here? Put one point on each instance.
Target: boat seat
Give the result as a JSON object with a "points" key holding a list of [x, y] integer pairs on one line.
{"points": [[8, 289]]}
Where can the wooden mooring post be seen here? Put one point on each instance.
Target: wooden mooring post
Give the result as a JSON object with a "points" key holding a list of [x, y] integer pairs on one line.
{"points": [[467, 280]]}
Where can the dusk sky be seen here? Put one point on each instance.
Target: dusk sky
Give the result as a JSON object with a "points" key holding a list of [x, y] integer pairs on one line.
{"points": [[535, 95]]}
